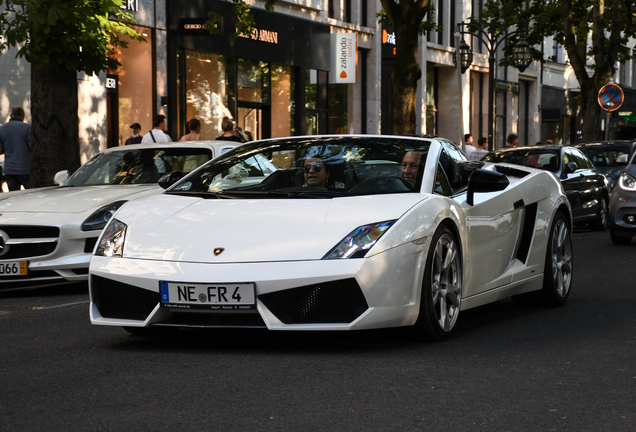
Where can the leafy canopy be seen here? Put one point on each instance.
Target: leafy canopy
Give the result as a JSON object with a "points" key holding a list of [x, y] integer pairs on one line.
{"points": [[70, 34]]}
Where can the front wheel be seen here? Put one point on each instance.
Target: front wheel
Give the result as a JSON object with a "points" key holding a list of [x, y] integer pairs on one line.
{"points": [[441, 294], [602, 219]]}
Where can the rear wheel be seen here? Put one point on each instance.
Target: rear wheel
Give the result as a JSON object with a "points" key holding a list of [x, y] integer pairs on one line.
{"points": [[557, 275], [602, 220], [618, 240], [441, 289]]}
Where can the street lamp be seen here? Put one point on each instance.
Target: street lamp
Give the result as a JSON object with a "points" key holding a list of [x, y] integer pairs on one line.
{"points": [[493, 36], [465, 55]]}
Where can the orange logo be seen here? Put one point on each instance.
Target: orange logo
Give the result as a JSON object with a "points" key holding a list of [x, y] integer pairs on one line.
{"points": [[385, 36], [343, 75]]}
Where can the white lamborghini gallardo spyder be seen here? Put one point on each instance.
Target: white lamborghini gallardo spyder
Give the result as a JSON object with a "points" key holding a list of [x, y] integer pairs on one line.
{"points": [[334, 233]]}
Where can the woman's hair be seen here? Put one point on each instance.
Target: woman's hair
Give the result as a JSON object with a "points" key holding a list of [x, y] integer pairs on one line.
{"points": [[194, 124], [227, 125]]}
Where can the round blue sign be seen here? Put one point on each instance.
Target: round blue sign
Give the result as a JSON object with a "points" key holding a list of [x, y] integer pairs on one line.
{"points": [[610, 97]]}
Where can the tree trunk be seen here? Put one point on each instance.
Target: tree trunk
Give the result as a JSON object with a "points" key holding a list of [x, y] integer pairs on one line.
{"points": [[592, 112], [55, 124]]}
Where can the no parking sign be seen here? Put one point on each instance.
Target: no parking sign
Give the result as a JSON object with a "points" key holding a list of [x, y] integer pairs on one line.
{"points": [[610, 97]]}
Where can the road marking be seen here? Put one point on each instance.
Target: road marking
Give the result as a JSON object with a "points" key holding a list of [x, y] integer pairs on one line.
{"points": [[58, 306]]}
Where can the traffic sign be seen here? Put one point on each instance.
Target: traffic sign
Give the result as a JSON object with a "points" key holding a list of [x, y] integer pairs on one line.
{"points": [[610, 97]]}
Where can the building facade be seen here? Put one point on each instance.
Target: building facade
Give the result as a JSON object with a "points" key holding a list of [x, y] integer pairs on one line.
{"points": [[287, 78]]}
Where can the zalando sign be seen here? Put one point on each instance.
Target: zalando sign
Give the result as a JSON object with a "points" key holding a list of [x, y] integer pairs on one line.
{"points": [[344, 56]]}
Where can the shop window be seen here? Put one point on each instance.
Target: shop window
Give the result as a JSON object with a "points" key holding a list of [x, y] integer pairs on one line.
{"points": [[282, 96], [135, 90], [338, 108], [311, 102], [253, 81], [206, 92], [431, 99]]}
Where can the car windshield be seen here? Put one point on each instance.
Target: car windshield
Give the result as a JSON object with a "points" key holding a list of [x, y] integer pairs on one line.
{"points": [[549, 160], [605, 155], [321, 167], [137, 166]]}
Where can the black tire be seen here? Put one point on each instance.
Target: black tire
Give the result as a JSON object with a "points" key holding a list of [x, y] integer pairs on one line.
{"points": [[601, 223], [440, 300], [618, 240], [559, 265], [150, 331]]}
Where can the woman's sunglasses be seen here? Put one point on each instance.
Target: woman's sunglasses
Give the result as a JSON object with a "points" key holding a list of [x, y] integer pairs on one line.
{"points": [[316, 167]]}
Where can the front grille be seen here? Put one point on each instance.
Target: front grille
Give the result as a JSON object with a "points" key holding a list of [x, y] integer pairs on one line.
{"points": [[122, 301], [28, 231], [217, 319], [28, 250], [331, 302]]}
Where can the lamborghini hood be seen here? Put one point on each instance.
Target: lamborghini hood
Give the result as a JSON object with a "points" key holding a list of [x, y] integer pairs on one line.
{"points": [[177, 228]]}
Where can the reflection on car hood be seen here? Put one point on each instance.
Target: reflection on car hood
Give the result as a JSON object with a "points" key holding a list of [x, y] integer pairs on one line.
{"points": [[71, 199], [176, 228]]}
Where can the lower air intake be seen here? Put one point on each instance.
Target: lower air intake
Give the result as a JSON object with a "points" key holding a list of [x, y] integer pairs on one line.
{"points": [[326, 303], [118, 300]]}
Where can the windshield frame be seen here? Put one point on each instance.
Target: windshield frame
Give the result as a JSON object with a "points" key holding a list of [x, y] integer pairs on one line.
{"points": [[341, 154]]}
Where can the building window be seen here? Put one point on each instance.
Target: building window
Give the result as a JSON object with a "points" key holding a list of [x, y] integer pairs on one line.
{"points": [[206, 90], [634, 69], [338, 108], [282, 96], [135, 88]]}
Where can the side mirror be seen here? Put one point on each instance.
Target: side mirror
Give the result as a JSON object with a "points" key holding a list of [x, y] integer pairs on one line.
{"points": [[171, 178], [485, 181], [61, 177], [570, 167], [621, 158]]}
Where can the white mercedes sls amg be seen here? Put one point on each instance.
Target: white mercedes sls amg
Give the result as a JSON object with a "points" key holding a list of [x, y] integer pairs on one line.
{"points": [[334, 233], [47, 235]]}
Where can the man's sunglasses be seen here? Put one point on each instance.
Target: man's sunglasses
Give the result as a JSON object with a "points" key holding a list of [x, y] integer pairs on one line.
{"points": [[316, 167]]}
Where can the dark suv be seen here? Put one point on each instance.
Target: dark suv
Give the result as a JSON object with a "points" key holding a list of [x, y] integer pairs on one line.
{"points": [[609, 157]]}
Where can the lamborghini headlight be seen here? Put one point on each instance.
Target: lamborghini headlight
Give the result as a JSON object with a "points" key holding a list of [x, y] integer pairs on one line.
{"points": [[627, 181], [359, 241], [112, 241], [101, 216]]}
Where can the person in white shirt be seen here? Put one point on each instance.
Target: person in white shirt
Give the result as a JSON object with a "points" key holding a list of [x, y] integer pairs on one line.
{"points": [[480, 151], [157, 134], [468, 141]]}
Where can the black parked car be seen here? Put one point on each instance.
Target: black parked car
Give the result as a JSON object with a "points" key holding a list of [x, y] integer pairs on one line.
{"points": [[622, 214], [587, 189], [609, 157]]}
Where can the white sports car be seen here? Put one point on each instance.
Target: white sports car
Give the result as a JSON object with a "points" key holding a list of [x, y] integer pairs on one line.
{"points": [[349, 232], [47, 234]]}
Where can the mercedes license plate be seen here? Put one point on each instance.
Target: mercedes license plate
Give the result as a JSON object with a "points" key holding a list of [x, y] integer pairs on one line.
{"points": [[14, 268], [207, 296]]}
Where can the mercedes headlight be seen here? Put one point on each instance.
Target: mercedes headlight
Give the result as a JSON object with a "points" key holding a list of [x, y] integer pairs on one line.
{"points": [[359, 241], [112, 241], [101, 216], [627, 181]]}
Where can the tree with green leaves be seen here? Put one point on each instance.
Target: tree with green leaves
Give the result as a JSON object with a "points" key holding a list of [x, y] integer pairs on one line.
{"points": [[60, 38], [407, 20], [593, 32]]}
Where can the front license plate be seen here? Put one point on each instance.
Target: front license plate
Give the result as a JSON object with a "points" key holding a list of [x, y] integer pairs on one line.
{"points": [[207, 296], [14, 268]]}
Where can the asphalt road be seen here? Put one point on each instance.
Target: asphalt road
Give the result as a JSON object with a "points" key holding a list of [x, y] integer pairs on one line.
{"points": [[508, 368]]}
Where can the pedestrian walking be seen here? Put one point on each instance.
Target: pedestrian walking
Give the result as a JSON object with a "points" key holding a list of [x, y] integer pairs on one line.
{"points": [[15, 144], [157, 134], [135, 137], [512, 140]]}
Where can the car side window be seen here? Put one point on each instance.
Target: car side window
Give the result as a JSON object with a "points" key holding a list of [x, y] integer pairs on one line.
{"points": [[442, 186], [584, 161], [454, 152]]}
